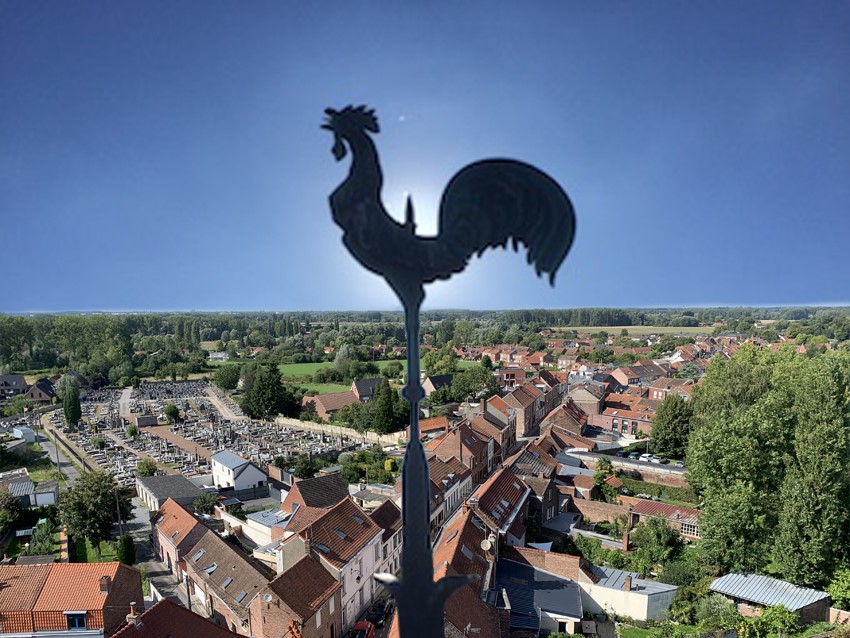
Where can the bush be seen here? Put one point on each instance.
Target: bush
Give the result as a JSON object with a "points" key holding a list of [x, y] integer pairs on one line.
{"points": [[126, 549]]}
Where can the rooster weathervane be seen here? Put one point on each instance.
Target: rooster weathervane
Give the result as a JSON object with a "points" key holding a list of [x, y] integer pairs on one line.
{"points": [[485, 205]]}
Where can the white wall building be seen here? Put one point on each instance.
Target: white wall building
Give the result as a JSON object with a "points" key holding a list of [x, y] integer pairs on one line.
{"points": [[231, 470]]}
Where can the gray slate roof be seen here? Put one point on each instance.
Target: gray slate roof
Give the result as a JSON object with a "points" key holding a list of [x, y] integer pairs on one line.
{"points": [[530, 590], [615, 578], [172, 485], [229, 459], [767, 591]]}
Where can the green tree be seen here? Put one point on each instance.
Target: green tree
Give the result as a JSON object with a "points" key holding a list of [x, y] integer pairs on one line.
{"points": [[839, 589], [268, 397], [716, 612], [126, 550], [736, 527], [132, 431], [98, 442], [71, 405], [172, 412], [41, 543], [657, 543], [474, 383], [440, 361], [88, 510], [227, 377], [146, 467], [486, 362], [773, 621], [205, 503], [672, 426], [813, 518], [65, 385], [10, 509]]}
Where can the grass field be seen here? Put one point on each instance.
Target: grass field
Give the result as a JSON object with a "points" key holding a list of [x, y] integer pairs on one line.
{"points": [[636, 331], [299, 370], [324, 388]]}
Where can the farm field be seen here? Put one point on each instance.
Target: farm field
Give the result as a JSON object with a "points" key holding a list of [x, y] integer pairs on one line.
{"points": [[299, 370], [324, 388], [640, 330]]}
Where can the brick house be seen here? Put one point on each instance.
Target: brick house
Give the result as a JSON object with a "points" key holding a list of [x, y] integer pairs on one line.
{"points": [[684, 519], [175, 533], [348, 545], [664, 386], [225, 580], [74, 598], [752, 593], [453, 480], [12, 385], [326, 404], [463, 444], [306, 594], [40, 392], [527, 401]]}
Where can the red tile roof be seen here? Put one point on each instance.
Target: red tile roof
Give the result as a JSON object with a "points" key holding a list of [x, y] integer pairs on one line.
{"points": [[20, 586], [174, 522], [305, 586], [338, 534], [646, 507], [75, 586], [502, 497], [167, 619]]}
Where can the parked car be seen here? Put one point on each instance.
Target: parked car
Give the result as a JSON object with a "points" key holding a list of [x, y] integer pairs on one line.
{"points": [[634, 456], [363, 629], [679, 464], [620, 454], [646, 458], [380, 612]]}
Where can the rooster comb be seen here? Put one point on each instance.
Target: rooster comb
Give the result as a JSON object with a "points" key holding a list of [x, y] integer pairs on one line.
{"points": [[358, 116]]}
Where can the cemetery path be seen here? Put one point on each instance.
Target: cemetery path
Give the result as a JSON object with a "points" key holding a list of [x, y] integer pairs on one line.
{"points": [[223, 408], [124, 403], [189, 446]]}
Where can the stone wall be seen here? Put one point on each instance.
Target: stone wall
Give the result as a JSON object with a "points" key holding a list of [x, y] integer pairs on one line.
{"points": [[598, 511]]}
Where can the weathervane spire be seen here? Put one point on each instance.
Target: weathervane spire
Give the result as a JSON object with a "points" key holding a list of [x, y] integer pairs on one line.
{"points": [[484, 205]]}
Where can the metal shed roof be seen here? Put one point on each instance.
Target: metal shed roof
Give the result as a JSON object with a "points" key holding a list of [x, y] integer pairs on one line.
{"points": [[767, 591]]}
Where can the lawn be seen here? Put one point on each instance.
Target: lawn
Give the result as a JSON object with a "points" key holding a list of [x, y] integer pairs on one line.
{"points": [[86, 553], [39, 466], [638, 331], [299, 370]]}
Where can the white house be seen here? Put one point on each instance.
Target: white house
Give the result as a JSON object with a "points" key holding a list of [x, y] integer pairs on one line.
{"points": [[231, 470]]}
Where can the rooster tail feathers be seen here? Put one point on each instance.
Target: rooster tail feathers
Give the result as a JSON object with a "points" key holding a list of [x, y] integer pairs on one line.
{"points": [[491, 202]]}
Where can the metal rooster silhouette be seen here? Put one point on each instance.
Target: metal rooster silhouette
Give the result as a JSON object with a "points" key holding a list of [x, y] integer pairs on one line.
{"points": [[485, 205]]}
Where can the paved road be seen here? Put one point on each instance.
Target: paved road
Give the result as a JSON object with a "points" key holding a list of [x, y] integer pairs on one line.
{"points": [[66, 468], [164, 581]]}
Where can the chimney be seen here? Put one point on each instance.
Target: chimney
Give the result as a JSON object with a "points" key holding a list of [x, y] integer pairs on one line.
{"points": [[105, 584], [308, 546], [627, 583], [626, 541], [133, 616]]}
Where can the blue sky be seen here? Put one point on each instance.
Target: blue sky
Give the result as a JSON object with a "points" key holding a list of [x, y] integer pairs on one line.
{"points": [[161, 155]]}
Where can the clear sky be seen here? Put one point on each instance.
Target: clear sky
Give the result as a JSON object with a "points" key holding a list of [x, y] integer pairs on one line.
{"points": [[168, 155]]}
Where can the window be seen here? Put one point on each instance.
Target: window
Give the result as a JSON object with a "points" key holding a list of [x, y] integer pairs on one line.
{"points": [[331, 606], [76, 620], [226, 582], [319, 618], [377, 552]]}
